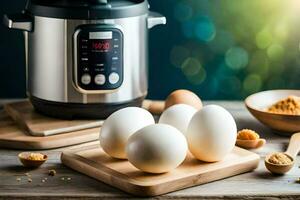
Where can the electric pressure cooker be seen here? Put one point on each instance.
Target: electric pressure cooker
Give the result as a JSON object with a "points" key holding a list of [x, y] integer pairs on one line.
{"points": [[85, 58]]}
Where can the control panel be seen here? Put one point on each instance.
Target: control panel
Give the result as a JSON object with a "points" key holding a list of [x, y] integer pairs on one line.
{"points": [[98, 58]]}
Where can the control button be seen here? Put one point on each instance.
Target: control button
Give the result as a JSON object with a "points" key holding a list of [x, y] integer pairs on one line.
{"points": [[115, 58], [86, 79], [114, 78], [84, 59], [100, 79]]}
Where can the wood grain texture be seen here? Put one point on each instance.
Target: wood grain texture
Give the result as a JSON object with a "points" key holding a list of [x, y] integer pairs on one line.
{"points": [[39, 125], [94, 162], [11, 136], [259, 184]]}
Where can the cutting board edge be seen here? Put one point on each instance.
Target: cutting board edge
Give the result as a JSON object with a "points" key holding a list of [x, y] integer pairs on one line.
{"points": [[36, 144], [23, 145], [16, 115], [138, 189]]}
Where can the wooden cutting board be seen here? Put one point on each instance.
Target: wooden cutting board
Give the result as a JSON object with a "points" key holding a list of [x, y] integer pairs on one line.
{"points": [[11, 136], [39, 125], [92, 161]]}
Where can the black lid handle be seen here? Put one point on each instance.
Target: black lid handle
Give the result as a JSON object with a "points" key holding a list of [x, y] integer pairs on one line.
{"points": [[98, 1]]}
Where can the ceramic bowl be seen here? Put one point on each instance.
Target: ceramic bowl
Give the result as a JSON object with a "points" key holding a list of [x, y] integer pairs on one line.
{"points": [[258, 103]]}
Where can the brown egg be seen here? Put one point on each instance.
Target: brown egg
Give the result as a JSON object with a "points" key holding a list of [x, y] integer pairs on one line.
{"points": [[183, 97]]}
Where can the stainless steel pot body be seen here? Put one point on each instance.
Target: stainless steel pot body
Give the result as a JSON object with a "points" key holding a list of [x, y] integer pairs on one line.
{"points": [[51, 60]]}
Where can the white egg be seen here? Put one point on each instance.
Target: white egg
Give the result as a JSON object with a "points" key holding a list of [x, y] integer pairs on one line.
{"points": [[157, 148], [211, 134], [178, 116], [119, 126]]}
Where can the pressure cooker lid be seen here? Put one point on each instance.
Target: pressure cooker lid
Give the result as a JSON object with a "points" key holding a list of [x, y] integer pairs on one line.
{"points": [[87, 9]]}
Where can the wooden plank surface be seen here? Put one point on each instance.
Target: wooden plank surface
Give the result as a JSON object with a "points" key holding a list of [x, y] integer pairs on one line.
{"points": [[39, 125], [94, 162], [259, 184], [11, 136]]}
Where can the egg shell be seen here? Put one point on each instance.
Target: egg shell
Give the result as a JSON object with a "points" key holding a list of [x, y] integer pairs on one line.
{"points": [[211, 133], [183, 97], [178, 116], [119, 126], [157, 148]]}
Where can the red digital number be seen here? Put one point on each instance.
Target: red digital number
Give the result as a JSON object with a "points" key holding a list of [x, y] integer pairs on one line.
{"points": [[101, 45]]}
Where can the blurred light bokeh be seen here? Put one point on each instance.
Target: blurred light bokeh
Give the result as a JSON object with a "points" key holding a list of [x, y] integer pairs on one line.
{"points": [[229, 49]]}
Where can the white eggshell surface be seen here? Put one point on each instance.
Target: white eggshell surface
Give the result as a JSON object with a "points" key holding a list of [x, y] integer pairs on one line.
{"points": [[157, 148], [119, 126], [178, 116], [211, 134]]}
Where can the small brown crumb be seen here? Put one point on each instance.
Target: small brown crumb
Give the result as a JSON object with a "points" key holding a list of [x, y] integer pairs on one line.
{"points": [[51, 172], [18, 179], [29, 180], [247, 134], [280, 159]]}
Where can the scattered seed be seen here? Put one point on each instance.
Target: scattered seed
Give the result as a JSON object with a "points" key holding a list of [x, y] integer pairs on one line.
{"points": [[69, 179], [45, 178], [52, 172], [43, 181], [19, 179], [62, 178], [27, 174], [29, 180]]}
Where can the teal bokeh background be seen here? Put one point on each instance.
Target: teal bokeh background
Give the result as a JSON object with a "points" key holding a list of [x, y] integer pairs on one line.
{"points": [[218, 49]]}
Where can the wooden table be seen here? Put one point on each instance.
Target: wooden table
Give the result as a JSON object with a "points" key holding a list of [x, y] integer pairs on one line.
{"points": [[255, 185]]}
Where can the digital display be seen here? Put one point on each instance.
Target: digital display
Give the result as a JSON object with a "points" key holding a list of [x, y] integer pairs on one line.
{"points": [[100, 35], [101, 45]]}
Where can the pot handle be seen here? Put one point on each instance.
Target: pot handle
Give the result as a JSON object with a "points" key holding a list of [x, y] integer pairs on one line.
{"points": [[19, 22], [155, 19]]}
